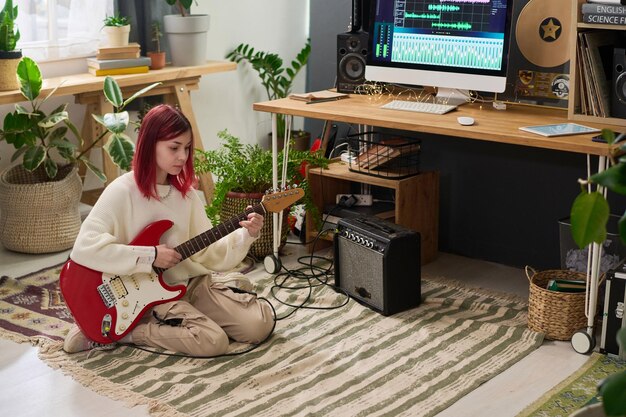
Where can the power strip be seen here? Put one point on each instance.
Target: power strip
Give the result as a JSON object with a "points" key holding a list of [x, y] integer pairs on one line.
{"points": [[361, 199]]}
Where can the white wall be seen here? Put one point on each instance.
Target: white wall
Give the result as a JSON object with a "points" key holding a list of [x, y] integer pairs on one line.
{"points": [[224, 100]]}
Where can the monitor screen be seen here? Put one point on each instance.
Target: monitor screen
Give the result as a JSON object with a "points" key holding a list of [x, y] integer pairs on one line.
{"points": [[453, 44]]}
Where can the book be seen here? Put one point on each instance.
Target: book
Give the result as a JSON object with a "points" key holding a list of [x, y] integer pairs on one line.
{"points": [[604, 19], [599, 8], [318, 96], [118, 71], [118, 63], [131, 47], [118, 55], [566, 285]]}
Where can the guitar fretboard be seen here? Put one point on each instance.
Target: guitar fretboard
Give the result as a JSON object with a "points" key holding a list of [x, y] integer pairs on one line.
{"points": [[214, 234]]}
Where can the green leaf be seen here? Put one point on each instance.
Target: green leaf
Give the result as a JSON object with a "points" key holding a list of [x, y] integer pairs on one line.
{"points": [[51, 168], [98, 173], [140, 92], [608, 135], [115, 122], [61, 142], [18, 153], [112, 92], [30, 78], [33, 157], [613, 178], [613, 392], [53, 120], [589, 215], [121, 149]]}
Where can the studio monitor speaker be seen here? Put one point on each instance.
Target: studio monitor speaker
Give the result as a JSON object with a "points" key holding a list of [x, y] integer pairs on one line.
{"points": [[378, 263], [618, 84], [351, 55]]}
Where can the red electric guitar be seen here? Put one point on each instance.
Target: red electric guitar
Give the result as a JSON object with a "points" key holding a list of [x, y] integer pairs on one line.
{"points": [[106, 306]]}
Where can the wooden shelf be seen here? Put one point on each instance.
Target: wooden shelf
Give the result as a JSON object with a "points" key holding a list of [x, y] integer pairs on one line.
{"points": [[573, 108], [416, 201]]}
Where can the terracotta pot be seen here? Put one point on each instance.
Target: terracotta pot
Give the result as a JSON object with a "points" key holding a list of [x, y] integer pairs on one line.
{"points": [[158, 60]]}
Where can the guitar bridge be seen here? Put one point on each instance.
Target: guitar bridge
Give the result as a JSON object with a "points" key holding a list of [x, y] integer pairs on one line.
{"points": [[106, 294]]}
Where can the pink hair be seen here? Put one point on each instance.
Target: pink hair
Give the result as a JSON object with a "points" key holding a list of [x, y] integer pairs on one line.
{"points": [[162, 122]]}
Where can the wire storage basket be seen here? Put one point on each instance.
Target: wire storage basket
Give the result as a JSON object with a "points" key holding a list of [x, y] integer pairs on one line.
{"points": [[383, 155], [557, 314]]}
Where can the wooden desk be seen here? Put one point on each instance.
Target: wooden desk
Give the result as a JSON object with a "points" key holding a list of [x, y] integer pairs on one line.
{"points": [[177, 83]]}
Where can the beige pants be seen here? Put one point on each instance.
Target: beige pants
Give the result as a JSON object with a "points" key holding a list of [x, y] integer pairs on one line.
{"points": [[211, 313]]}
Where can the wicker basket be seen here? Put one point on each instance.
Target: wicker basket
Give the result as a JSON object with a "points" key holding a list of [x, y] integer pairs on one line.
{"points": [[557, 314], [37, 216], [236, 203]]}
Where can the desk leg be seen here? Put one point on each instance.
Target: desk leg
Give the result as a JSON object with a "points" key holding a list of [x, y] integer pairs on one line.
{"points": [[584, 341], [183, 99]]}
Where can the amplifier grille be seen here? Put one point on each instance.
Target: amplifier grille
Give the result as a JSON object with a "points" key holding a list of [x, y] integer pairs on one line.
{"points": [[361, 272]]}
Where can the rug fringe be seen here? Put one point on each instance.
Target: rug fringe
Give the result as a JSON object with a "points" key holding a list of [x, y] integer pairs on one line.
{"points": [[58, 359], [457, 284]]}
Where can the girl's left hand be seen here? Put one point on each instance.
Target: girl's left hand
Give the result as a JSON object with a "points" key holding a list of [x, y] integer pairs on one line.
{"points": [[253, 224]]}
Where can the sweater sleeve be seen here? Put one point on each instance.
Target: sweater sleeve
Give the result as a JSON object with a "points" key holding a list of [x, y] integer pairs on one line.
{"points": [[102, 243], [227, 252]]}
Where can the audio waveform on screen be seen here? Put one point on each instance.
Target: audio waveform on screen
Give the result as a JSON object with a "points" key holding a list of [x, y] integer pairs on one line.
{"points": [[455, 25], [465, 1], [443, 8], [481, 53]]}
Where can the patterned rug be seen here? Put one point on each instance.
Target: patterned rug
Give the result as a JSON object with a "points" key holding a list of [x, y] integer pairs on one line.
{"points": [[347, 361], [577, 390]]}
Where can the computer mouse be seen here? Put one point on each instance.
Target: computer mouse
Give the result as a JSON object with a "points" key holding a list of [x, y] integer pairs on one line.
{"points": [[465, 121]]}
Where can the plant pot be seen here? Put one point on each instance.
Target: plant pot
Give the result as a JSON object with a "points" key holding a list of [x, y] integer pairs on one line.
{"points": [[117, 35], [37, 216], [187, 38], [301, 140], [157, 60], [236, 203], [8, 70]]}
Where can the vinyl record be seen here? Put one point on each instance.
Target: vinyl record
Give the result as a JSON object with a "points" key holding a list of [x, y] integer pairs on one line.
{"points": [[542, 31]]}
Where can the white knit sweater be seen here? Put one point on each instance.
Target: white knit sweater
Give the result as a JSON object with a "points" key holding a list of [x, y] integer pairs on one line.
{"points": [[122, 212]]}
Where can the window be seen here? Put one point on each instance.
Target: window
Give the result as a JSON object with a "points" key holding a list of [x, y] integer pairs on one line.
{"points": [[60, 29]]}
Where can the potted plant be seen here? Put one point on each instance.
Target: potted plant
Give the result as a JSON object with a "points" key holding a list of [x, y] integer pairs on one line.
{"points": [[243, 173], [612, 393], [275, 78], [186, 34], [157, 57], [39, 198], [9, 56], [117, 29]]}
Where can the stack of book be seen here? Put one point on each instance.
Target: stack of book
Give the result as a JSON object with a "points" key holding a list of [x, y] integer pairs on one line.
{"points": [[566, 285], [118, 60], [606, 13]]}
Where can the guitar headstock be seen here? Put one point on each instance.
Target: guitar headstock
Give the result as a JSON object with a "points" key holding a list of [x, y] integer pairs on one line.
{"points": [[276, 201]]}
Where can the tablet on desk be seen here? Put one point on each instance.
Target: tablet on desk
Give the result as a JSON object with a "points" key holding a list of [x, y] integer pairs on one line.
{"points": [[560, 129]]}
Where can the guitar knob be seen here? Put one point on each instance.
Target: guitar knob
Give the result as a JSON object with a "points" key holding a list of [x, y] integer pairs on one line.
{"points": [[125, 316], [125, 303]]}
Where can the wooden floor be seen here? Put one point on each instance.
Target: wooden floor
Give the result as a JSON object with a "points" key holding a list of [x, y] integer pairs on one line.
{"points": [[28, 387]]}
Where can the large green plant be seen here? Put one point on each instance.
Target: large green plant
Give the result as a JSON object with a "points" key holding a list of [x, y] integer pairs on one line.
{"points": [[9, 34], [42, 140], [183, 5], [248, 169], [275, 78], [590, 210]]}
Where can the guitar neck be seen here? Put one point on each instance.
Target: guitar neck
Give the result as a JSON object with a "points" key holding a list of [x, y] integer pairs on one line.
{"points": [[214, 234]]}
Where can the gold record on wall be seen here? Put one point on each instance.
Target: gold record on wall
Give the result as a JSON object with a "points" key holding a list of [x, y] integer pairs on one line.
{"points": [[542, 32]]}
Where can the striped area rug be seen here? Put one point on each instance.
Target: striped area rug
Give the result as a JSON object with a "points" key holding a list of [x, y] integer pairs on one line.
{"points": [[349, 361]]}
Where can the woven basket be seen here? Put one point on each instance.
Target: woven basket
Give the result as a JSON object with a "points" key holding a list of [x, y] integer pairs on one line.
{"points": [[37, 216], [557, 314], [236, 203]]}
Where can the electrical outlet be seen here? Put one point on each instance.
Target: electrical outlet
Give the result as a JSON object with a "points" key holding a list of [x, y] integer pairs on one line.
{"points": [[361, 199]]}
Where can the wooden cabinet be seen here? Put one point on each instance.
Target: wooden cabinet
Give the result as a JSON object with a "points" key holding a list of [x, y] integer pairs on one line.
{"points": [[576, 80], [416, 201]]}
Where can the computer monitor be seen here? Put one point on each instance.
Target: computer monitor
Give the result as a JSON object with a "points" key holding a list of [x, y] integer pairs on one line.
{"points": [[448, 44]]}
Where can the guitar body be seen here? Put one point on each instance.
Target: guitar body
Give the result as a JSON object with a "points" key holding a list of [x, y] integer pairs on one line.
{"points": [[106, 307]]}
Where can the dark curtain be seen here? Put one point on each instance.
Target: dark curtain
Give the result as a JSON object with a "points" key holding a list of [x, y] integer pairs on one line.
{"points": [[142, 14]]}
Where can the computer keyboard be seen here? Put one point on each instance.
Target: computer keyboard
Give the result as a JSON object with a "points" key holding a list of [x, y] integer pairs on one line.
{"points": [[419, 106]]}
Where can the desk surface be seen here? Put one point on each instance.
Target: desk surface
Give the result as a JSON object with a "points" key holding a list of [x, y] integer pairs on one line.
{"points": [[85, 83], [491, 125]]}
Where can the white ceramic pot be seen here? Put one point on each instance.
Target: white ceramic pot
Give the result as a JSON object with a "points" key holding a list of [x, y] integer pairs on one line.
{"points": [[117, 35], [187, 38]]}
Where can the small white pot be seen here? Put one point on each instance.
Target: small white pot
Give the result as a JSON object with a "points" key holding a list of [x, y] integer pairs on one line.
{"points": [[117, 35]]}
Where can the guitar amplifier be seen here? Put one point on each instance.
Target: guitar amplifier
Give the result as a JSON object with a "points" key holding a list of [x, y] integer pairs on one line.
{"points": [[378, 263], [614, 316]]}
